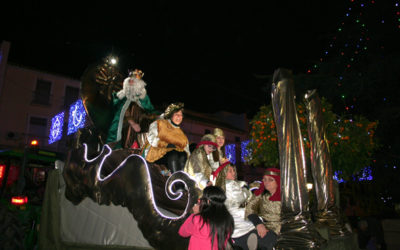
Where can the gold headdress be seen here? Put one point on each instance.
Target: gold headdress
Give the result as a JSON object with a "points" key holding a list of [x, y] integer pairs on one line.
{"points": [[137, 73], [218, 132], [172, 108]]}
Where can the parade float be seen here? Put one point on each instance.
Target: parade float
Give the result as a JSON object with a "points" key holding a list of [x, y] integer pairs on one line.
{"points": [[106, 195]]}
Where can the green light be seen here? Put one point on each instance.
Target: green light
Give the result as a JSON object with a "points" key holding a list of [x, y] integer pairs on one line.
{"points": [[340, 29], [351, 59], [365, 48], [315, 66], [363, 25], [342, 96]]}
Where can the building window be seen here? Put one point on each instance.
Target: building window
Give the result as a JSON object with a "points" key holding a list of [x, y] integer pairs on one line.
{"points": [[37, 127], [71, 96], [42, 92]]}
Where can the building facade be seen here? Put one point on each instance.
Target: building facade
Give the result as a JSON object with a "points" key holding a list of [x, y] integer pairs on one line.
{"points": [[30, 99]]}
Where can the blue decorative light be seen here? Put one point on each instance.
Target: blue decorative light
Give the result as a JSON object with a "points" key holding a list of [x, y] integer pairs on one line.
{"points": [[56, 129], [77, 117], [366, 174], [337, 178], [245, 154], [230, 151]]}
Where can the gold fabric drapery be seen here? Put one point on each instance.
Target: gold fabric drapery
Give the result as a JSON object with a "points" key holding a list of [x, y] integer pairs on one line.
{"points": [[297, 230], [321, 168]]}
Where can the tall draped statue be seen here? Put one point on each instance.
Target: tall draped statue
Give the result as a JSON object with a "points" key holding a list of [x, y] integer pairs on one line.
{"points": [[297, 229], [321, 168]]}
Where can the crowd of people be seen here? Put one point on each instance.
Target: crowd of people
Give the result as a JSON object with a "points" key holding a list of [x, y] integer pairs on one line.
{"points": [[228, 214]]}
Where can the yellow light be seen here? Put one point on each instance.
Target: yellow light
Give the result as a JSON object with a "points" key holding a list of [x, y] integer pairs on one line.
{"points": [[34, 142], [19, 200]]}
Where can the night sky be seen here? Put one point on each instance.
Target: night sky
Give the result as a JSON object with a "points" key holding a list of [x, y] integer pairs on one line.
{"points": [[211, 55]]}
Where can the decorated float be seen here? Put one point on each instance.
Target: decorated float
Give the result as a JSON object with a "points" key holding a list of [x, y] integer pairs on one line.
{"points": [[107, 195]]}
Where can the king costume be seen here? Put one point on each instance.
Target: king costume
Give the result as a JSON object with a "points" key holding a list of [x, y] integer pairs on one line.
{"points": [[131, 105]]}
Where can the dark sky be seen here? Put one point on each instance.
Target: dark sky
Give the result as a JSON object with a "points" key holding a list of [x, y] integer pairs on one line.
{"points": [[211, 55]]}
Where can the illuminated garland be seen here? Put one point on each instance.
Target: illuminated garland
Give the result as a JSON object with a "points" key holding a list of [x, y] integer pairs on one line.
{"points": [[352, 43], [56, 129], [108, 151], [230, 151], [77, 117], [245, 154]]}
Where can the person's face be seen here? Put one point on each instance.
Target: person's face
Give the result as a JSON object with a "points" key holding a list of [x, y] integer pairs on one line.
{"points": [[270, 184], [231, 173], [220, 141], [209, 149], [177, 117]]}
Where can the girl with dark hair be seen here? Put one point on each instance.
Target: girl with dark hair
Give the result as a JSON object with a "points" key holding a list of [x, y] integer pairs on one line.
{"points": [[211, 225]]}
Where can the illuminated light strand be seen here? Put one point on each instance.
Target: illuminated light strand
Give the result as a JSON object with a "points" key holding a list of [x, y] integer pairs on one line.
{"points": [[230, 151], [77, 117], [172, 184], [148, 174], [56, 128], [245, 154], [85, 153]]}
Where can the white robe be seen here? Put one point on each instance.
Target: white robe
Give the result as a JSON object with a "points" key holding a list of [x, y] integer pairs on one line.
{"points": [[236, 195]]}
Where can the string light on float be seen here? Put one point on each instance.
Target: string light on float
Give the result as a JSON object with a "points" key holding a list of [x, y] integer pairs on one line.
{"points": [[111, 60], [309, 186]]}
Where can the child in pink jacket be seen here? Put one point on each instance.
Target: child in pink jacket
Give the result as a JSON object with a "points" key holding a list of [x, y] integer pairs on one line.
{"points": [[211, 224]]}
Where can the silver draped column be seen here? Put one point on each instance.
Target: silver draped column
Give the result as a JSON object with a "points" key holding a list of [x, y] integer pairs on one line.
{"points": [[321, 168], [297, 229]]}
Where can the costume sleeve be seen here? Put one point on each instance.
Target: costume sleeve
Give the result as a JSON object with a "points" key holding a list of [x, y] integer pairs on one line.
{"points": [[245, 190], [187, 150], [253, 209], [254, 219], [214, 164], [201, 180], [194, 169], [187, 227], [152, 136]]}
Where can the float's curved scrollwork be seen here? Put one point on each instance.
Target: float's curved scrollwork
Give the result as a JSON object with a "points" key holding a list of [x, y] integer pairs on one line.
{"points": [[124, 178]]}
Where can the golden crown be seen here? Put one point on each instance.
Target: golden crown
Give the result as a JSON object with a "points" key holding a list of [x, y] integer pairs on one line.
{"points": [[137, 73]]}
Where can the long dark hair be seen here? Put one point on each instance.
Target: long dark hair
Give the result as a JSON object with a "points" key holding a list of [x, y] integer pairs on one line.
{"points": [[214, 213]]}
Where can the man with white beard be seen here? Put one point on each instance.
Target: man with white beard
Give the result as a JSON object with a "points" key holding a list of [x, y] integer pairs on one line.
{"points": [[133, 112]]}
